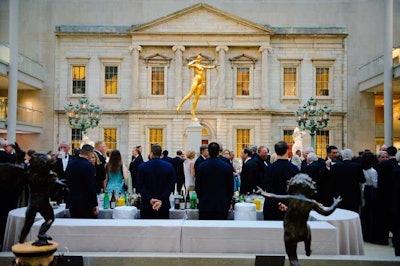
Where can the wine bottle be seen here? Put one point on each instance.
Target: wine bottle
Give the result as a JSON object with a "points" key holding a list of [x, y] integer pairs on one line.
{"points": [[113, 200], [182, 201], [176, 198], [106, 201], [187, 201]]}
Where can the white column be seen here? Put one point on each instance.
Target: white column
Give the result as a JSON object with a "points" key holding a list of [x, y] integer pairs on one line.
{"points": [[178, 49], [13, 72], [222, 93], [387, 73], [193, 132], [265, 50], [135, 50]]}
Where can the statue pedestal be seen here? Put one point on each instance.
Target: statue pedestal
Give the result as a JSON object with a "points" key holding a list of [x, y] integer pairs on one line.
{"points": [[27, 254], [193, 131]]}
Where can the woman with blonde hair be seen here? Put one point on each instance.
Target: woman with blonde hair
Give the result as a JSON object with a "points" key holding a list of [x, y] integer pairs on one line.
{"points": [[188, 170]]}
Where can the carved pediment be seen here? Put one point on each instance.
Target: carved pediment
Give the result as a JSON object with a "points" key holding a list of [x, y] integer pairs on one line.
{"points": [[244, 59], [201, 19], [206, 60], [157, 59]]}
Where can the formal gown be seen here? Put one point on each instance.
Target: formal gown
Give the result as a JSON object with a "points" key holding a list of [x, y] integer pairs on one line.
{"points": [[369, 212], [189, 180], [115, 182]]}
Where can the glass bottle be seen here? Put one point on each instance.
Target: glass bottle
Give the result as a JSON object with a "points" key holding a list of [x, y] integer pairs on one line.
{"points": [[113, 200], [106, 201], [193, 200]]}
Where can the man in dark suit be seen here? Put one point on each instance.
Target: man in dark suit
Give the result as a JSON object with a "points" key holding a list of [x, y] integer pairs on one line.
{"points": [[5, 157], [395, 207], [155, 182], [214, 186], [202, 157], [249, 176], [81, 181], [278, 173], [63, 159], [177, 162], [165, 156], [347, 180], [136, 161], [100, 150], [384, 195]]}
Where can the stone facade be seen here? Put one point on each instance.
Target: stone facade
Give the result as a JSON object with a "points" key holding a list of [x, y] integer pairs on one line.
{"points": [[270, 33]]}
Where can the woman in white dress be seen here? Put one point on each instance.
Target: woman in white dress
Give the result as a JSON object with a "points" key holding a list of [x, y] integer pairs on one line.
{"points": [[188, 170]]}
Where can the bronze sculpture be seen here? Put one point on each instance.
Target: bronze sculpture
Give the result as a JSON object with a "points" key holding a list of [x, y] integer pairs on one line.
{"points": [[198, 83], [42, 181], [299, 202]]}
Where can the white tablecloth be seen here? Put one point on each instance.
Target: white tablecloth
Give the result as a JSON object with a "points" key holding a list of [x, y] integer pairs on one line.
{"points": [[251, 237], [15, 222], [187, 214], [350, 239], [116, 235]]}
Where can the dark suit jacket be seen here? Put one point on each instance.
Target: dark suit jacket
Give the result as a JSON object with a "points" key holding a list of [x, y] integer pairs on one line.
{"points": [[279, 173], [155, 179], [177, 162], [100, 171], [82, 185], [6, 157], [385, 181], [346, 183], [134, 168], [249, 177], [214, 185], [60, 169], [198, 161]]}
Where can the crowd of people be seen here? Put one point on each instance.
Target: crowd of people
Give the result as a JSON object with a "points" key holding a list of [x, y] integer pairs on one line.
{"points": [[368, 184]]}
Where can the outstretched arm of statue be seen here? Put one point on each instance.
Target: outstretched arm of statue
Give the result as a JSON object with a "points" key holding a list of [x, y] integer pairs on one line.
{"points": [[321, 209]]}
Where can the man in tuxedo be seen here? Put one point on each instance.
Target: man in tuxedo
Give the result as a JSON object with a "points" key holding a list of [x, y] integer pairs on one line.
{"points": [[63, 159], [214, 186], [248, 176], [202, 157], [5, 157], [81, 181], [177, 162], [136, 161], [100, 150], [155, 182]]}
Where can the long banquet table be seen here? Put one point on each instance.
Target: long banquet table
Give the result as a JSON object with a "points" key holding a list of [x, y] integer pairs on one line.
{"points": [[194, 234]]}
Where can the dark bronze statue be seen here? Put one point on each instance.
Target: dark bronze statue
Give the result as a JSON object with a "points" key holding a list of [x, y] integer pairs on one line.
{"points": [[42, 181], [299, 202]]}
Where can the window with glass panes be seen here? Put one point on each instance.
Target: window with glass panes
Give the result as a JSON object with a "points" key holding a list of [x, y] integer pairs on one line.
{"points": [[78, 79], [157, 80], [242, 139], [321, 142], [322, 81], [76, 138], [289, 81], [155, 137], [288, 138], [243, 81], [110, 137], [111, 80]]}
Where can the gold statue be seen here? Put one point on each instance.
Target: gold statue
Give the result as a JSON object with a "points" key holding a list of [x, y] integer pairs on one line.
{"points": [[197, 84]]}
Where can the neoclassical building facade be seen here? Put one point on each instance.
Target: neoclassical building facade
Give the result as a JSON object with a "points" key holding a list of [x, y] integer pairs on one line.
{"points": [[140, 74], [131, 60]]}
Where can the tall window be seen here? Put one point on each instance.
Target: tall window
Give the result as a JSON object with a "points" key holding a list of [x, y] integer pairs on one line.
{"points": [[111, 80], [157, 80], [155, 137], [76, 138], [288, 138], [321, 142], [3, 107], [110, 137], [289, 81], [322, 81], [78, 79], [242, 139], [243, 81]]}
